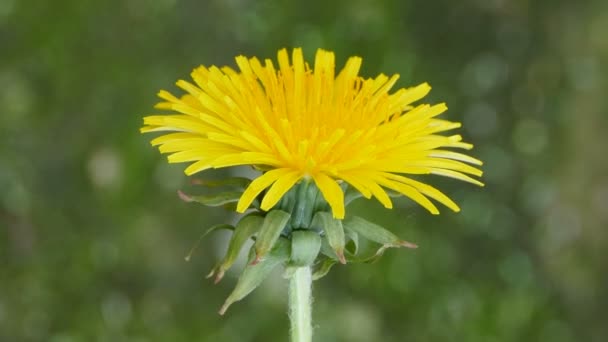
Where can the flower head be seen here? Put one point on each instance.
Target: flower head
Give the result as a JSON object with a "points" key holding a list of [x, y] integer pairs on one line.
{"points": [[296, 121]]}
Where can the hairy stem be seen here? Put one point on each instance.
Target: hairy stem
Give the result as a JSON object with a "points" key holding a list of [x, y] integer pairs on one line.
{"points": [[300, 305]]}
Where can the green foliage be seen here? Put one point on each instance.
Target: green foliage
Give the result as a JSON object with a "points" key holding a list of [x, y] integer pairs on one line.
{"points": [[272, 227], [305, 246], [333, 232], [375, 233], [245, 229], [254, 274], [92, 234]]}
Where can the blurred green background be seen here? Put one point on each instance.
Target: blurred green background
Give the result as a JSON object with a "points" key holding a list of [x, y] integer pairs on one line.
{"points": [[92, 234]]}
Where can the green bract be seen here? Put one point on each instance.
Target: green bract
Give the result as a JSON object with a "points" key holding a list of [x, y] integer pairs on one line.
{"points": [[298, 231]]}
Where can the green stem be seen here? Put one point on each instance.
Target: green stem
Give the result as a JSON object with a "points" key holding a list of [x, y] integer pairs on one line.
{"points": [[300, 305]]}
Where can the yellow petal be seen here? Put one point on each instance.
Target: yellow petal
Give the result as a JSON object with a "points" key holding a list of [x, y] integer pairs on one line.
{"points": [[197, 167], [257, 186], [426, 190], [279, 188], [332, 193], [447, 164], [456, 175], [376, 190], [294, 120], [410, 192], [455, 156], [172, 136], [354, 181]]}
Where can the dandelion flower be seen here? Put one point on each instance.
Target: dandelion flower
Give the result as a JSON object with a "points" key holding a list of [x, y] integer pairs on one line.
{"points": [[295, 121]]}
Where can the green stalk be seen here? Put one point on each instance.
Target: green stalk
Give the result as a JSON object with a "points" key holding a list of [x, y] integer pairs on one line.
{"points": [[300, 305]]}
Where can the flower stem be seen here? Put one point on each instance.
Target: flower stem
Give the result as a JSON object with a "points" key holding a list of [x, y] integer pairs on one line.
{"points": [[300, 305]]}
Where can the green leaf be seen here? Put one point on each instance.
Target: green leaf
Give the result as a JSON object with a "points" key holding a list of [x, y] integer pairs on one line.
{"points": [[328, 251], [238, 182], [351, 194], [288, 200], [305, 246], [368, 259], [273, 225], [352, 245], [298, 212], [253, 275], [334, 233], [376, 233], [210, 230], [393, 193], [216, 200], [244, 230], [306, 202], [289, 271], [323, 269]]}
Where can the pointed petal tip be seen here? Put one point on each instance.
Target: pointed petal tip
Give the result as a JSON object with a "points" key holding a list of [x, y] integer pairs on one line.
{"points": [[256, 260], [425, 85], [161, 106], [338, 212], [408, 244], [341, 257], [218, 277], [266, 206], [184, 197], [223, 309], [210, 274]]}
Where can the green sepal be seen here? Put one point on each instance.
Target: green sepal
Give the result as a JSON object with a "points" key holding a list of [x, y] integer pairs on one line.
{"points": [[273, 225], [237, 182], [334, 233], [254, 274], [325, 267], [297, 216], [376, 233], [289, 271], [245, 229], [351, 194], [352, 244], [306, 201], [209, 231], [215, 200], [328, 251], [288, 201], [367, 259], [305, 246]]}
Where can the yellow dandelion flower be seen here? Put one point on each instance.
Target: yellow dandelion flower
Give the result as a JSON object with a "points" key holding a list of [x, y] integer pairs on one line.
{"points": [[300, 122]]}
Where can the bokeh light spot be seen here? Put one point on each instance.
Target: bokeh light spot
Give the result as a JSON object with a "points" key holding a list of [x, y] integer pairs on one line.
{"points": [[530, 136], [105, 168], [116, 310]]}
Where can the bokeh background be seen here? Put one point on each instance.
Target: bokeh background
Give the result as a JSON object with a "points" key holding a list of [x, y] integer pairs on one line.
{"points": [[92, 234]]}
